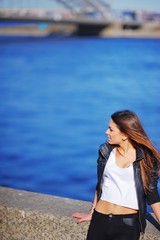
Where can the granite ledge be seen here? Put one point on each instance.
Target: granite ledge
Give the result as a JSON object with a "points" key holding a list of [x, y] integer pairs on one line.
{"points": [[32, 216]]}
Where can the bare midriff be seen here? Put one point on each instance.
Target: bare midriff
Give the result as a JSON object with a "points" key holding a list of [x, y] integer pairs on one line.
{"points": [[111, 208]]}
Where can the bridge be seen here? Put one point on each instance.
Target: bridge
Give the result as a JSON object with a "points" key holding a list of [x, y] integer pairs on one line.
{"points": [[90, 16]]}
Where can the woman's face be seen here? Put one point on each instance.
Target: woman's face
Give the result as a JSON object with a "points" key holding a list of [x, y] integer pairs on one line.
{"points": [[115, 136]]}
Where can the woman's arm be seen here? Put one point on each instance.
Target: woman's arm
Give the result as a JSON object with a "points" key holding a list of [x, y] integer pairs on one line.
{"points": [[156, 209], [85, 217]]}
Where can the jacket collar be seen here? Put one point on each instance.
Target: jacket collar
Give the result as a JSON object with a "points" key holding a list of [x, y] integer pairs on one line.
{"points": [[106, 148]]}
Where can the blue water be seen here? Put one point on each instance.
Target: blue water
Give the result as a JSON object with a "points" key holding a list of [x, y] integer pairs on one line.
{"points": [[56, 98]]}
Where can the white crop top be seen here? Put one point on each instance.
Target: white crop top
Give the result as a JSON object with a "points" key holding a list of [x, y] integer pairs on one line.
{"points": [[118, 185]]}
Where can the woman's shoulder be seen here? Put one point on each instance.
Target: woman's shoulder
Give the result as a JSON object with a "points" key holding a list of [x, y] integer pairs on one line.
{"points": [[106, 148]]}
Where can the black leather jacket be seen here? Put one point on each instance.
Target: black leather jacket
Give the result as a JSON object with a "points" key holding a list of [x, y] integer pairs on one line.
{"points": [[150, 197]]}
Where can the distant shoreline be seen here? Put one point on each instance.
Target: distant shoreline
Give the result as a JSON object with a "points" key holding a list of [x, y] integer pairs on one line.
{"points": [[149, 30]]}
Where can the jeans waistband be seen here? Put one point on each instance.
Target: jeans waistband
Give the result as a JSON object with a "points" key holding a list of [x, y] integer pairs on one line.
{"points": [[110, 215]]}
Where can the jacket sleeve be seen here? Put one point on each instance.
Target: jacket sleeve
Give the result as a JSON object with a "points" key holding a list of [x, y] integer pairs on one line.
{"points": [[99, 163], [153, 195]]}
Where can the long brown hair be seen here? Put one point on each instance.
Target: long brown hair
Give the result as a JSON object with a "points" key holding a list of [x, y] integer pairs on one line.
{"points": [[129, 123]]}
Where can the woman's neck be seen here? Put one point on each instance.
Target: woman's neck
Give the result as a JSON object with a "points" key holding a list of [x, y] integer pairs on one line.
{"points": [[125, 148]]}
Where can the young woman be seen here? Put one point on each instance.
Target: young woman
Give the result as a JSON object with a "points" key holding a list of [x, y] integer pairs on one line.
{"points": [[128, 171]]}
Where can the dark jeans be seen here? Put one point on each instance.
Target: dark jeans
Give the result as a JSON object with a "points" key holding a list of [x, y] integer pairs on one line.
{"points": [[114, 227]]}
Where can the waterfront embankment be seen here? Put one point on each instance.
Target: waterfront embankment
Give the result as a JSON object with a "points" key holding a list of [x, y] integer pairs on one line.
{"points": [[147, 30], [26, 215]]}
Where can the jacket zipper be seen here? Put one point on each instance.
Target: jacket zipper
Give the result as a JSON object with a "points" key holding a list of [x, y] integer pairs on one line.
{"points": [[140, 224], [138, 205]]}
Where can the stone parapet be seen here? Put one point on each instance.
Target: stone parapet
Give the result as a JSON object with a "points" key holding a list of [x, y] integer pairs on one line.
{"points": [[31, 216]]}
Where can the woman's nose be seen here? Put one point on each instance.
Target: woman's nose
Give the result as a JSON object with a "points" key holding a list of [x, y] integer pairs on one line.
{"points": [[107, 132]]}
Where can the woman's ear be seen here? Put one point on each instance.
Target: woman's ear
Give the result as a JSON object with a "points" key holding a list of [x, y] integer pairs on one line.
{"points": [[124, 137]]}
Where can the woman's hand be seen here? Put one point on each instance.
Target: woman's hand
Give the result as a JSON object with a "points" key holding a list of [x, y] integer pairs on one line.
{"points": [[83, 217]]}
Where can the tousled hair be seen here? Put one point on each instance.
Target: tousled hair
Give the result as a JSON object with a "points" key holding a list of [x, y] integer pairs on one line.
{"points": [[129, 123]]}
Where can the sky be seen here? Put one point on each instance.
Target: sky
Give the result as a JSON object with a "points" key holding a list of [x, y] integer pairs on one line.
{"points": [[150, 5]]}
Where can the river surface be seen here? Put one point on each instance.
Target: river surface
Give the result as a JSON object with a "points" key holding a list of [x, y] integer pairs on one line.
{"points": [[56, 98]]}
